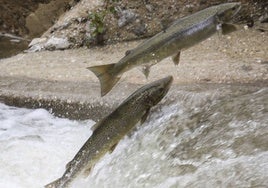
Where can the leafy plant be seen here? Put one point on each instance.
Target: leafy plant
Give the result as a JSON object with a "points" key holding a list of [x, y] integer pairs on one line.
{"points": [[97, 25], [97, 22]]}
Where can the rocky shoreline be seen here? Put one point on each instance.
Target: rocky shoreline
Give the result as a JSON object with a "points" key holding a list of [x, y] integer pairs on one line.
{"points": [[66, 24]]}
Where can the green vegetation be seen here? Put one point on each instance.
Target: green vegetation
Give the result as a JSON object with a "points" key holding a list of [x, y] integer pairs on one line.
{"points": [[97, 25]]}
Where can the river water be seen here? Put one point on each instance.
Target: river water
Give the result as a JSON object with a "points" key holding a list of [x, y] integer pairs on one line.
{"points": [[199, 136], [10, 47]]}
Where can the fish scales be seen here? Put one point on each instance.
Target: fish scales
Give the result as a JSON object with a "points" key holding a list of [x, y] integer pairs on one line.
{"points": [[182, 34], [110, 130]]}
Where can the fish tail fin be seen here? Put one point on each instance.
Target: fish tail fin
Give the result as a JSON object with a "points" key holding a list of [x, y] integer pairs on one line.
{"points": [[107, 80], [54, 184]]}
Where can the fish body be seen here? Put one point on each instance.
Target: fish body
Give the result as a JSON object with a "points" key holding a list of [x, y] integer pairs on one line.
{"points": [[182, 34], [110, 130]]}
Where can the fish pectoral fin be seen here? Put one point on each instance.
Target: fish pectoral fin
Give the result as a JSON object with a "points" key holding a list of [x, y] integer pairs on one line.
{"points": [[127, 52], [107, 80], [176, 58], [145, 115], [146, 70], [228, 28], [112, 148]]}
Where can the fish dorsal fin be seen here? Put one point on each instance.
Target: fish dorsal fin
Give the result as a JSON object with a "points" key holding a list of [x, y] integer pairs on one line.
{"points": [[128, 52], [68, 165]]}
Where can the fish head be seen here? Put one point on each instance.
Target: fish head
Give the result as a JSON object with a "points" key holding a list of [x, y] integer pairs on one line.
{"points": [[157, 90], [227, 11]]}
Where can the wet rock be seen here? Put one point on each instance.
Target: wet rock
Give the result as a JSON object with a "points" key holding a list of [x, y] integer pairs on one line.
{"points": [[149, 7], [264, 62], [37, 44], [126, 17], [32, 18], [264, 18], [64, 25], [246, 68], [140, 29], [55, 43], [36, 41]]}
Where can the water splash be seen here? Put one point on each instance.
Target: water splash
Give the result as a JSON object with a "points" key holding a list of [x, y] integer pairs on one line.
{"points": [[35, 146], [197, 137]]}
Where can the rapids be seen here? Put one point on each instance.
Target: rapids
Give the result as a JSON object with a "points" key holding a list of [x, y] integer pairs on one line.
{"points": [[198, 136]]}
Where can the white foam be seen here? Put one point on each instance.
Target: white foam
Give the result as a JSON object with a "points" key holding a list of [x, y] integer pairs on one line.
{"points": [[35, 146], [216, 144]]}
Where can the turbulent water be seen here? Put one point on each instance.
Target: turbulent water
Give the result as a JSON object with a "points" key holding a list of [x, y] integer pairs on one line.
{"points": [[199, 136]]}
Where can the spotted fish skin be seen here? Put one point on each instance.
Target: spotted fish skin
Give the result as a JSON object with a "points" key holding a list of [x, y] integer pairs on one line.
{"points": [[110, 130]]}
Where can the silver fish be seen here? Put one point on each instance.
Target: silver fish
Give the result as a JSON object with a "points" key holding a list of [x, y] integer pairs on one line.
{"points": [[110, 130], [182, 34]]}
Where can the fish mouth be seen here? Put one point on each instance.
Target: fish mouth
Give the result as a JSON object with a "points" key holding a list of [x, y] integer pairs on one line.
{"points": [[227, 13], [169, 80], [236, 8], [162, 87]]}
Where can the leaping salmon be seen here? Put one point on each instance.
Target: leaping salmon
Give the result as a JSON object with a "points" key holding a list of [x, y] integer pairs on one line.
{"points": [[182, 34], [110, 130]]}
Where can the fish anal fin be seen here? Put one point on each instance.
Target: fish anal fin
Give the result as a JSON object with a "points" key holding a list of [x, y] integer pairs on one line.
{"points": [[176, 58], [87, 171], [112, 148], [228, 28], [107, 80], [146, 70], [145, 115]]}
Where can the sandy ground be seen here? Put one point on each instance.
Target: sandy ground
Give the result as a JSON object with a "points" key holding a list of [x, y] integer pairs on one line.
{"points": [[241, 57]]}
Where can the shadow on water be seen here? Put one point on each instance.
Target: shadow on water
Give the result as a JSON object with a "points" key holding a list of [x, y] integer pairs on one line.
{"points": [[10, 46]]}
